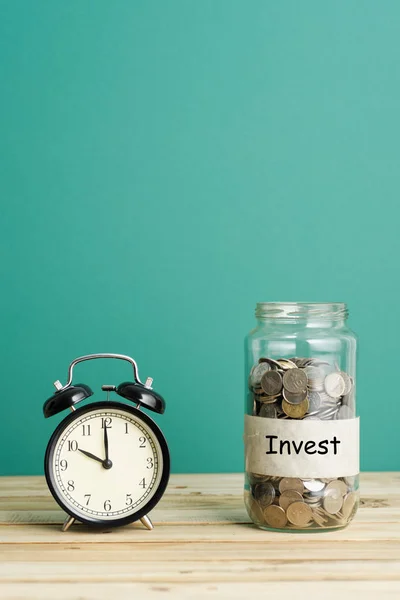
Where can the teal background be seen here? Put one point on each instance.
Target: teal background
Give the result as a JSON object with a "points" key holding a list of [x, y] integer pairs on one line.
{"points": [[165, 165]]}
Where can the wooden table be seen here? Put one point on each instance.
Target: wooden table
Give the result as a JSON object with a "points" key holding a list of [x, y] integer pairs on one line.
{"points": [[203, 546]]}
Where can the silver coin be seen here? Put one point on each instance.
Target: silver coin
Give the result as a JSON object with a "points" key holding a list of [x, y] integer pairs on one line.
{"points": [[344, 412], [295, 380], [257, 372], [315, 377], [296, 398], [334, 385], [350, 480], [271, 382], [271, 362], [315, 401], [313, 485], [349, 400], [268, 411], [264, 493], [347, 383]]}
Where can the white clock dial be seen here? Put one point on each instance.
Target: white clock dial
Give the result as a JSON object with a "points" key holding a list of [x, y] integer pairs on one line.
{"points": [[100, 490]]}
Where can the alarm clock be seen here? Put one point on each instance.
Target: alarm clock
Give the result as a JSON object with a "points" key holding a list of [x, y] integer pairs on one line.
{"points": [[107, 463]]}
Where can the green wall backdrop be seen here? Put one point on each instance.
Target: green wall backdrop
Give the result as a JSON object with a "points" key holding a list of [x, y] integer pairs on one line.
{"points": [[165, 165]]}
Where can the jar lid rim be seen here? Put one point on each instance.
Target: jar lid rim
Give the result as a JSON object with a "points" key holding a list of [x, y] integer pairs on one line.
{"points": [[293, 310]]}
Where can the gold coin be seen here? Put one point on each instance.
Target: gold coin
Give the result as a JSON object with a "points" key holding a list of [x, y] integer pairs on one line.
{"points": [[299, 514], [332, 501], [295, 411], [258, 391], [288, 497], [255, 512], [338, 485], [275, 516], [349, 504], [291, 483], [285, 363], [267, 399]]}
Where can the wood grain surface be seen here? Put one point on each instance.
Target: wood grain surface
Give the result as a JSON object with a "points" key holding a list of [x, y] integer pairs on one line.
{"points": [[203, 546]]}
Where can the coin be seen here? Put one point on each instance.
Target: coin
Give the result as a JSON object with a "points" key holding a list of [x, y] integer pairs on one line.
{"points": [[313, 485], [257, 372], [334, 385], [271, 383], [295, 411], [273, 363], [315, 377], [344, 412], [347, 382], [268, 411], [349, 504], [319, 519], [337, 485], [288, 497], [264, 493], [349, 400], [275, 516], [268, 399], [315, 400], [286, 363], [350, 480], [299, 514], [256, 478], [258, 391], [254, 510], [291, 483], [295, 380], [332, 501], [294, 398]]}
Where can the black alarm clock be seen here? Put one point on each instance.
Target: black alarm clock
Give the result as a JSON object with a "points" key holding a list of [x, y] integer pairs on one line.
{"points": [[107, 463]]}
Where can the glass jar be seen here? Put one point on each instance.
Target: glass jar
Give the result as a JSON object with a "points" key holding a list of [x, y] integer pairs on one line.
{"points": [[301, 429]]}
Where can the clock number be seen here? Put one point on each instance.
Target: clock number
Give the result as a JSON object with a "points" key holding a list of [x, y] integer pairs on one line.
{"points": [[143, 483], [63, 464], [128, 500], [70, 485], [107, 505], [86, 430], [126, 428], [88, 496], [72, 445], [142, 441], [106, 422], [150, 463]]}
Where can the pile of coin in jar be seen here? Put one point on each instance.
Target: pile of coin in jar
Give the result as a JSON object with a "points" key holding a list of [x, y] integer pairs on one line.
{"points": [[300, 388], [292, 503]]}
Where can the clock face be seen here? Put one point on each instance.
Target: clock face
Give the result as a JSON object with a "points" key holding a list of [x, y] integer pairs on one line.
{"points": [[107, 462]]}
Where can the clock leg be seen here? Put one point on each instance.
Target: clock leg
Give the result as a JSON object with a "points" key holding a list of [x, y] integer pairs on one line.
{"points": [[146, 521], [67, 523]]}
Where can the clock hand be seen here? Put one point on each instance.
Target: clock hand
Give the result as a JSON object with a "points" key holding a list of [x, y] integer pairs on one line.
{"points": [[107, 464], [90, 455]]}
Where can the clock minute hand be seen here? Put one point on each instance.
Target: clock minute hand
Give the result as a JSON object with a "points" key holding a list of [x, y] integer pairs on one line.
{"points": [[90, 455], [107, 464]]}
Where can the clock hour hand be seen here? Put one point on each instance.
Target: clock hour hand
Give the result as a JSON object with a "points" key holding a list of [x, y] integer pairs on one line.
{"points": [[90, 455]]}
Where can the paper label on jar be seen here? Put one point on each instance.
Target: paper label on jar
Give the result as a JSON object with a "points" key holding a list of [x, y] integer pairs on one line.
{"points": [[305, 449]]}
